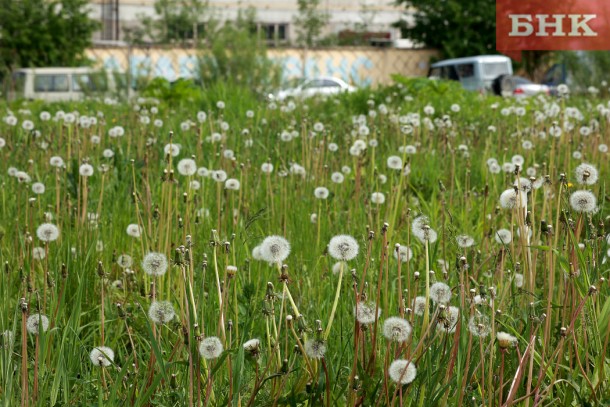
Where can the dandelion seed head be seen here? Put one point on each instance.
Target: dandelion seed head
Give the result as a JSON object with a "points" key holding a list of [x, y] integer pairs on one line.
{"points": [[450, 320], [440, 293], [505, 340], [464, 241], [397, 329], [232, 184], [402, 371], [503, 236], [321, 192], [343, 247], [102, 356], [252, 346], [377, 198], [404, 253], [275, 249], [134, 230], [161, 312], [583, 201], [47, 232], [365, 312], [187, 167], [419, 305], [38, 188], [394, 162], [479, 325], [586, 174], [155, 264], [124, 261], [36, 323], [510, 199], [210, 348], [315, 348]]}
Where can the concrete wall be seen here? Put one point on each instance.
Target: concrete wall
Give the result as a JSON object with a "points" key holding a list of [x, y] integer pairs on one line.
{"points": [[361, 66]]}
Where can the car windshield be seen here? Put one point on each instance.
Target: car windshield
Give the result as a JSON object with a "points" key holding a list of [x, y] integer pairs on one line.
{"points": [[519, 80]]}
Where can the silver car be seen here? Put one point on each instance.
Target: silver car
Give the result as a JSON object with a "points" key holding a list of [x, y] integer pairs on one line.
{"points": [[321, 86]]}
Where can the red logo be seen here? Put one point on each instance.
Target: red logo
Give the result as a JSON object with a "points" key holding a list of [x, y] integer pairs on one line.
{"points": [[536, 25]]}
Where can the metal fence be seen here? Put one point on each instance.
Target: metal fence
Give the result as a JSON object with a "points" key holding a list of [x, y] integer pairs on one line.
{"points": [[361, 66]]}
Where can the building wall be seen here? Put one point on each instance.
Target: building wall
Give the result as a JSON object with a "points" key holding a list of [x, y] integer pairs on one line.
{"points": [[362, 66], [378, 15]]}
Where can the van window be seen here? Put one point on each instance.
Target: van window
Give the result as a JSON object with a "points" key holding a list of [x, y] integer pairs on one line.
{"points": [[19, 82], [51, 83], [89, 82], [465, 70], [495, 69]]}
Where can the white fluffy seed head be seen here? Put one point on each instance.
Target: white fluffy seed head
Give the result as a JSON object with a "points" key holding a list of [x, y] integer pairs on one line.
{"points": [[377, 198], [449, 320], [47, 232], [275, 249], [419, 305], [397, 329], [134, 230], [440, 293], [187, 166], [161, 312], [102, 356], [343, 247], [510, 199], [464, 241], [36, 323], [479, 325], [394, 162], [365, 312], [583, 201], [402, 371], [505, 340], [210, 348], [586, 174], [404, 253], [321, 192], [252, 346], [315, 348], [155, 264], [503, 236]]}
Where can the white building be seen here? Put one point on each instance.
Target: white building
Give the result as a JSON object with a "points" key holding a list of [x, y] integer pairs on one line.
{"points": [[275, 18]]}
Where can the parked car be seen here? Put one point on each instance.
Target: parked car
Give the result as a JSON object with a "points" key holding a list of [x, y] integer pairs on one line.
{"points": [[474, 73], [518, 86], [61, 84], [320, 86]]}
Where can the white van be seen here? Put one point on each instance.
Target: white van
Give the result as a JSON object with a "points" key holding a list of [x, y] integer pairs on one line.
{"points": [[62, 84], [474, 73]]}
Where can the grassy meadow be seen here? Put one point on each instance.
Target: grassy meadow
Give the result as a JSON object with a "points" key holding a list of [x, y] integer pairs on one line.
{"points": [[412, 245]]}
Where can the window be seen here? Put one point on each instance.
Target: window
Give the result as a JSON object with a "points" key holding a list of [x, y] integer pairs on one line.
{"points": [[51, 83], [330, 84], [273, 33], [495, 69], [89, 82], [465, 70], [19, 81], [315, 83]]}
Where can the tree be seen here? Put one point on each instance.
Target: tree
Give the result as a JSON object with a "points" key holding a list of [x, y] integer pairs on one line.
{"points": [[176, 21], [235, 54], [37, 33], [310, 21], [456, 28]]}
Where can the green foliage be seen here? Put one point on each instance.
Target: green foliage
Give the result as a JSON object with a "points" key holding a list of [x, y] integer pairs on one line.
{"points": [[175, 22], [450, 181], [37, 33], [235, 55], [309, 22], [457, 28]]}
